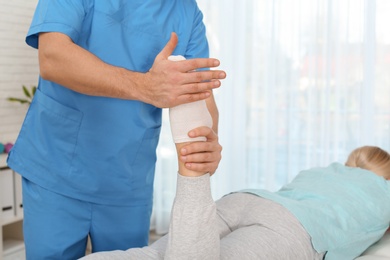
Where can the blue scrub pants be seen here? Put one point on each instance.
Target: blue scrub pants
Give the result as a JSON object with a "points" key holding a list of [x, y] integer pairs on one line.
{"points": [[57, 227]]}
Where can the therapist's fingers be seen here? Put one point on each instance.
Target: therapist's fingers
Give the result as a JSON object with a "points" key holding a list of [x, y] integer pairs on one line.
{"points": [[188, 65], [191, 65], [202, 156], [168, 84], [196, 80], [169, 48], [202, 161], [205, 131]]}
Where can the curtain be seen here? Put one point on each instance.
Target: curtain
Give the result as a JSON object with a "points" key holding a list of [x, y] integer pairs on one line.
{"points": [[308, 81]]}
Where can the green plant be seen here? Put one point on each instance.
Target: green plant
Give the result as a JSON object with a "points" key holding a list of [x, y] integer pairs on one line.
{"points": [[28, 93]]}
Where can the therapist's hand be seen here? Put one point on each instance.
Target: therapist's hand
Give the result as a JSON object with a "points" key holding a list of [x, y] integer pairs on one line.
{"points": [[171, 83], [202, 156]]}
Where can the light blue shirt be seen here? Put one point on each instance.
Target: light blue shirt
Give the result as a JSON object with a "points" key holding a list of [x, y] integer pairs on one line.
{"points": [[101, 149], [343, 209]]}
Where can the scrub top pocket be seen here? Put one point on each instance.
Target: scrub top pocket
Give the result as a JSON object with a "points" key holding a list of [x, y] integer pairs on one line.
{"points": [[50, 130], [145, 155]]}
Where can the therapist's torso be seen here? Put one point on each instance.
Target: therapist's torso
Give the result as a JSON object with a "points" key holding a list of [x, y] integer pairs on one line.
{"points": [[101, 149]]}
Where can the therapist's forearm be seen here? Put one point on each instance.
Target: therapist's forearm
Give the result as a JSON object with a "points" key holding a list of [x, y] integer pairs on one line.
{"points": [[166, 84], [67, 64]]}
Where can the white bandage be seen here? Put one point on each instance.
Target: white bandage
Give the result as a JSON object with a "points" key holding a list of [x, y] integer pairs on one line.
{"points": [[186, 117], [176, 58]]}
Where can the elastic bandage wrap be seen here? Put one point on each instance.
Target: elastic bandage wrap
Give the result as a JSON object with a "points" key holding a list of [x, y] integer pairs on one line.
{"points": [[186, 117]]}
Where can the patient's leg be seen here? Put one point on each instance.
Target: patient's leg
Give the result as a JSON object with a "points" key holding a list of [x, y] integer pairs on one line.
{"points": [[252, 227], [145, 253], [193, 232], [186, 117]]}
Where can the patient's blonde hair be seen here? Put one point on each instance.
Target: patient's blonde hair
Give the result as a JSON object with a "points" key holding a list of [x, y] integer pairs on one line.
{"points": [[371, 158]]}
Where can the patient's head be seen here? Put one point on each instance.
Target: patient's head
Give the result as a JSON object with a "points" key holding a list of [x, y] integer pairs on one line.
{"points": [[371, 158]]}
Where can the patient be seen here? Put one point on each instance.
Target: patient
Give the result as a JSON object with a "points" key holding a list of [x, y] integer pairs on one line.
{"points": [[334, 212]]}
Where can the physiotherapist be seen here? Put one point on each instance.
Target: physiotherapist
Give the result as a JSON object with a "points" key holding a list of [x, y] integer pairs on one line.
{"points": [[87, 147]]}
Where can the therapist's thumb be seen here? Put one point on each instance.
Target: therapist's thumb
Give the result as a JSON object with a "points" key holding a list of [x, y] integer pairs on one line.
{"points": [[169, 47]]}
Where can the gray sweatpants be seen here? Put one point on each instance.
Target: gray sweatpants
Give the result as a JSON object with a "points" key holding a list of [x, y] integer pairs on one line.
{"points": [[238, 226]]}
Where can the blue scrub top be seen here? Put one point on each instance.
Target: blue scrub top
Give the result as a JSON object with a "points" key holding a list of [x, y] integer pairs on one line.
{"points": [[98, 149], [343, 209]]}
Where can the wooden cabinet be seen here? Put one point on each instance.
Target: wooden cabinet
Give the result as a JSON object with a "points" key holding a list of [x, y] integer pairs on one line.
{"points": [[11, 214]]}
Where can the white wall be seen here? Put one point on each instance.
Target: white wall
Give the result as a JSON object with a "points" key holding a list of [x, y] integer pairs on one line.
{"points": [[18, 64]]}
